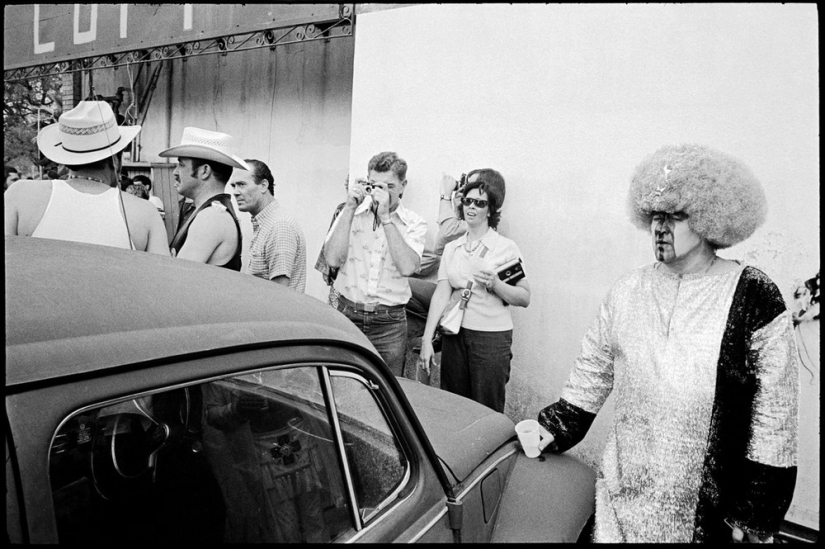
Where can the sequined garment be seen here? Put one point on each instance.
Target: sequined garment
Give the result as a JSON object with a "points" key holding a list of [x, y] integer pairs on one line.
{"points": [[705, 379]]}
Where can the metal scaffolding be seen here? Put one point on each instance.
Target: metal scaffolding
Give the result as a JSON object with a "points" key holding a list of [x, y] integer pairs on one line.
{"points": [[270, 38]]}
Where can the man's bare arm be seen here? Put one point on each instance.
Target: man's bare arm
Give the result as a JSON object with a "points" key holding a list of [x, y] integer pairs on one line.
{"points": [[10, 212], [206, 233], [157, 238]]}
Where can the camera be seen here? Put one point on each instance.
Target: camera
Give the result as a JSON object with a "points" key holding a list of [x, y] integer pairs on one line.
{"points": [[364, 183], [462, 182]]}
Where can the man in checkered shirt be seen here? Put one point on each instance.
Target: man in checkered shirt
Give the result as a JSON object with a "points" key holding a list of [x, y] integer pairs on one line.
{"points": [[278, 249]]}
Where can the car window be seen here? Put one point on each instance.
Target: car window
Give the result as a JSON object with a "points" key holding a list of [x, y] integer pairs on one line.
{"points": [[272, 450], [246, 458], [377, 462]]}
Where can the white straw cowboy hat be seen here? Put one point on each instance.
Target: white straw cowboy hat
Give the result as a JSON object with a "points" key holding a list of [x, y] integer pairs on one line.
{"points": [[208, 145], [85, 134]]}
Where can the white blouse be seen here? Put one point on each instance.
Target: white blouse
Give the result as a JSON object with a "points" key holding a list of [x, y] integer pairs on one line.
{"points": [[486, 311]]}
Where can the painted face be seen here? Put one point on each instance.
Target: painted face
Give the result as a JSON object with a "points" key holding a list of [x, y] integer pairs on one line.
{"points": [[394, 186], [471, 204], [672, 237], [247, 193], [185, 180]]}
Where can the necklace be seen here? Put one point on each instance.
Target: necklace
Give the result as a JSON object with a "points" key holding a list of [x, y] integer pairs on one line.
{"points": [[89, 178], [471, 250]]}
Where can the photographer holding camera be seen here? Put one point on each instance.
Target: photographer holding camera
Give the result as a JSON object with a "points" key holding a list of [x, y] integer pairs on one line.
{"points": [[376, 243], [450, 226], [475, 362]]}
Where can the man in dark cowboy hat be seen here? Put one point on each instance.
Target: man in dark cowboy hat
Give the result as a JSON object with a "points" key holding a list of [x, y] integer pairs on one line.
{"points": [[88, 206], [211, 234]]}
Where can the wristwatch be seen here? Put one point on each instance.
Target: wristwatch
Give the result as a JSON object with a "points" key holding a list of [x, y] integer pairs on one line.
{"points": [[446, 197]]}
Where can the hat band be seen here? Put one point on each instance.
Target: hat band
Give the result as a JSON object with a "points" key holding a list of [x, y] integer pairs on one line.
{"points": [[110, 145], [87, 131]]}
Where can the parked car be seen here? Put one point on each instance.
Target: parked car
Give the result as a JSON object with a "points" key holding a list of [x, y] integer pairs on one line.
{"points": [[152, 399]]}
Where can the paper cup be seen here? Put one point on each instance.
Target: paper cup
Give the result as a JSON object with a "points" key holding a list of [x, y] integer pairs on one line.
{"points": [[529, 437]]}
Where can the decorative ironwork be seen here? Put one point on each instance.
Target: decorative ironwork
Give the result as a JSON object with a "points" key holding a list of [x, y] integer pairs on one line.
{"points": [[270, 38]]}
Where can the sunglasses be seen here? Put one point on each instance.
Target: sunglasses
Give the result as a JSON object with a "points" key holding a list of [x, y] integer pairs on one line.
{"points": [[478, 203]]}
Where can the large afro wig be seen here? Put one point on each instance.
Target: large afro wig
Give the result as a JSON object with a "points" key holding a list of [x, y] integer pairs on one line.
{"points": [[724, 201]]}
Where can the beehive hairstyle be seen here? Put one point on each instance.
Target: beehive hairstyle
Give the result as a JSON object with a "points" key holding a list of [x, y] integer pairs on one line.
{"points": [[724, 201], [491, 182]]}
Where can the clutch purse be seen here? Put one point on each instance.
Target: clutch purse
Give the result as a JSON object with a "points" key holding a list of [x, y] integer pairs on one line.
{"points": [[511, 272]]}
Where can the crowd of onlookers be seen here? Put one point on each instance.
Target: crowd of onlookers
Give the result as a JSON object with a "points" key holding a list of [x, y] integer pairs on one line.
{"points": [[698, 350]]}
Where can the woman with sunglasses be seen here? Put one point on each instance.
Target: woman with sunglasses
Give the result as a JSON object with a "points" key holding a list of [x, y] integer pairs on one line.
{"points": [[475, 362]]}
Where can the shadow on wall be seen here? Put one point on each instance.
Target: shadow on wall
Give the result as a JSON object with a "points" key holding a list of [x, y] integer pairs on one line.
{"points": [[806, 299]]}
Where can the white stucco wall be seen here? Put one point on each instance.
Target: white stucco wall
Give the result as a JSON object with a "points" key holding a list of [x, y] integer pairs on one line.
{"points": [[565, 100]]}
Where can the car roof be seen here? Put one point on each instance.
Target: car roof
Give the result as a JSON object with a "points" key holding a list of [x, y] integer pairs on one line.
{"points": [[75, 308]]}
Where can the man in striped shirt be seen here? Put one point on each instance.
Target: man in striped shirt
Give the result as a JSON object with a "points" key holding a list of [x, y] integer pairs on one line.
{"points": [[278, 249]]}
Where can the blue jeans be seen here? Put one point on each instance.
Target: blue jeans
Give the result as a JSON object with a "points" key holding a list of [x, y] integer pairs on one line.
{"points": [[476, 365], [386, 329]]}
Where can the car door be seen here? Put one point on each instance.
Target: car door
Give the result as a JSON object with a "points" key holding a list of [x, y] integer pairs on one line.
{"points": [[510, 498], [499, 493], [233, 448]]}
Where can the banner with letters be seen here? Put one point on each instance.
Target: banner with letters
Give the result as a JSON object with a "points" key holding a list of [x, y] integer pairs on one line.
{"points": [[36, 34]]}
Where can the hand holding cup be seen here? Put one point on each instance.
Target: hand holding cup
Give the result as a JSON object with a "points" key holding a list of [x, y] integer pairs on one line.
{"points": [[533, 437]]}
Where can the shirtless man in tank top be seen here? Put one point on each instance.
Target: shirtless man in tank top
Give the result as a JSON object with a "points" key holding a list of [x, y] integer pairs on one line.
{"points": [[87, 207]]}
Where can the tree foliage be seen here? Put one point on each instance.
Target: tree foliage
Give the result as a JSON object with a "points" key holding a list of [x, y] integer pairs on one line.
{"points": [[22, 101]]}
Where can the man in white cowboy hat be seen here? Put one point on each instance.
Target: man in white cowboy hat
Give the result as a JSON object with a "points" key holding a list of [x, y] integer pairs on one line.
{"points": [[88, 206], [211, 234]]}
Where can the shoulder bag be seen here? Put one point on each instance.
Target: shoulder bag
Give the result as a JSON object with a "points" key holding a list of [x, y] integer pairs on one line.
{"points": [[453, 314]]}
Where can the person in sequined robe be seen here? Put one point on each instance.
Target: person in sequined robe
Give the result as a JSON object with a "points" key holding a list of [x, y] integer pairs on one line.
{"points": [[700, 355]]}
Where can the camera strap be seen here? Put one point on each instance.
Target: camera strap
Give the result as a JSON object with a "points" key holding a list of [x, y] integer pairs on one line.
{"points": [[375, 220], [467, 293]]}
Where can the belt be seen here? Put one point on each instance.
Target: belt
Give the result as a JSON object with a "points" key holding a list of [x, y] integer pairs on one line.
{"points": [[368, 307]]}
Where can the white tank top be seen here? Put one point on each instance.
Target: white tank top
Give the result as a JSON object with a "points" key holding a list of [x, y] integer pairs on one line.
{"points": [[82, 217]]}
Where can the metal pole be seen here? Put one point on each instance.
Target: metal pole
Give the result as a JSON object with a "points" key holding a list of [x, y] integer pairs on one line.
{"points": [[39, 166]]}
